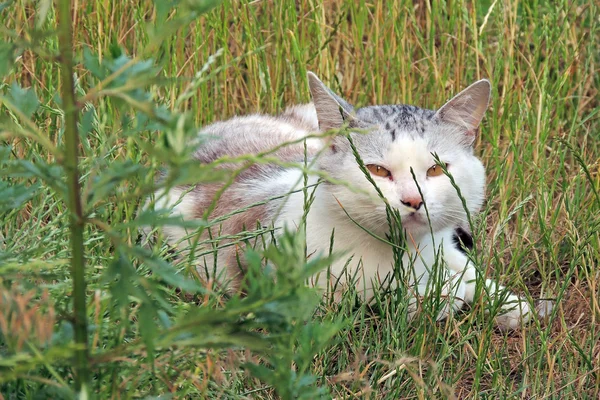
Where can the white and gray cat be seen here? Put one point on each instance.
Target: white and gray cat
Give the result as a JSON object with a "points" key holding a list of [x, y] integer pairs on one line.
{"points": [[400, 141]]}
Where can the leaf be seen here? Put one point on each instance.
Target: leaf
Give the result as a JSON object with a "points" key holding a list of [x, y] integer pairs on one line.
{"points": [[43, 7], [64, 335], [201, 6], [25, 363], [91, 63], [87, 120], [162, 218], [107, 182], [261, 372], [24, 99], [217, 337], [7, 57], [192, 173], [14, 197], [6, 4], [148, 328], [163, 7], [164, 319], [135, 70], [119, 275], [52, 175], [166, 271], [54, 392]]}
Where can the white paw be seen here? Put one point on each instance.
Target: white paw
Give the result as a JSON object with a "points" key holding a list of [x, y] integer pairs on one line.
{"points": [[544, 308], [515, 312], [447, 299]]}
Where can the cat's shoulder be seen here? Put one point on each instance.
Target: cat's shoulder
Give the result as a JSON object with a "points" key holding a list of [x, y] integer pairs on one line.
{"points": [[257, 133], [303, 116]]}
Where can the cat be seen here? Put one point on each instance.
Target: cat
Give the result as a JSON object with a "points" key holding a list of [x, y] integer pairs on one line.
{"points": [[394, 142]]}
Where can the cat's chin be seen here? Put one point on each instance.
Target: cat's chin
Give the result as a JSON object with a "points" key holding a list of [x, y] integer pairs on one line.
{"points": [[415, 224]]}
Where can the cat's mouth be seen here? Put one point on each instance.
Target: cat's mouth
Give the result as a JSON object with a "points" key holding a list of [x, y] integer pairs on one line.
{"points": [[413, 219]]}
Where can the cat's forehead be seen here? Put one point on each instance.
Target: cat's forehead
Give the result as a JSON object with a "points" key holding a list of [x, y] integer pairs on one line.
{"points": [[406, 127], [398, 116], [396, 121], [406, 152]]}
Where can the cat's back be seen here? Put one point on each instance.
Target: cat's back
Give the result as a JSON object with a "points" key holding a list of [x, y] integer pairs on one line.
{"points": [[259, 133]]}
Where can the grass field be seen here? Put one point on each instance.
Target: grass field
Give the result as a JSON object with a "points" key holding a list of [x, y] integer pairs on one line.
{"points": [[538, 233]]}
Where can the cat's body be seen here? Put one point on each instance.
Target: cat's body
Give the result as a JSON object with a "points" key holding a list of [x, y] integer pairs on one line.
{"points": [[399, 142]]}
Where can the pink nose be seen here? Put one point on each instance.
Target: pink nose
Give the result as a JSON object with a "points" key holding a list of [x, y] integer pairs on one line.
{"points": [[413, 202]]}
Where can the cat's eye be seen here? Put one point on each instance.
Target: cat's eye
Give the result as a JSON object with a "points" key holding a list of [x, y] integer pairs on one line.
{"points": [[436, 170], [378, 170]]}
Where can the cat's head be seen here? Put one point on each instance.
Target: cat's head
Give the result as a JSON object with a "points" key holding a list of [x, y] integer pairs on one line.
{"points": [[400, 141]]}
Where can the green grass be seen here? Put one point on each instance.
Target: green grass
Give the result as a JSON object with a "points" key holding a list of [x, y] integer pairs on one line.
{"points": [[538, 233]]}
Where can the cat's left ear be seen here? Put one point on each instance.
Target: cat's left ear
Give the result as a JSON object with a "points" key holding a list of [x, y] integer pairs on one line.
{"points": [[467, 108]]}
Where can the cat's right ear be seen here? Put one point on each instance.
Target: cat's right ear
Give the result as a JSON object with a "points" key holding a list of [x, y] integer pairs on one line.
{"points": [[467, 108], [332, 111]]}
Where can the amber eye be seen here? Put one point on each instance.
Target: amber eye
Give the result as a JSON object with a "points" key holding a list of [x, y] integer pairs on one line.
{"points": [[435, 170], [379, 170]]}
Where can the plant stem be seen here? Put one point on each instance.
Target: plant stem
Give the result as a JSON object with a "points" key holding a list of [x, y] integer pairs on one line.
{"points": [[65, 33]]}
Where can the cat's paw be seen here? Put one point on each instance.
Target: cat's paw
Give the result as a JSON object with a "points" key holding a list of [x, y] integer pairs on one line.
{"points": [[443, 301], [521, 313], [515, 312], [544, 308]]}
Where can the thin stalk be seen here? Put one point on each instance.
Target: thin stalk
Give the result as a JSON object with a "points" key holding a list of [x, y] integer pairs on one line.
{"points": [[76, 220]]}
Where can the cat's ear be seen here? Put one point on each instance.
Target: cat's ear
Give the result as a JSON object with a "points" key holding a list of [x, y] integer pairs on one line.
{"points": [[467, 108], [332, 111]]}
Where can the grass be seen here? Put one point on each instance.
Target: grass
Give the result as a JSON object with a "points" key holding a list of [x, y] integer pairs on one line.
{"points": [[538, 232]]}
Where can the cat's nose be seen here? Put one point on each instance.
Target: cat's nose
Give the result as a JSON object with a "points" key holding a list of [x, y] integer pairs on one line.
{"points": [[413, 202]]}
